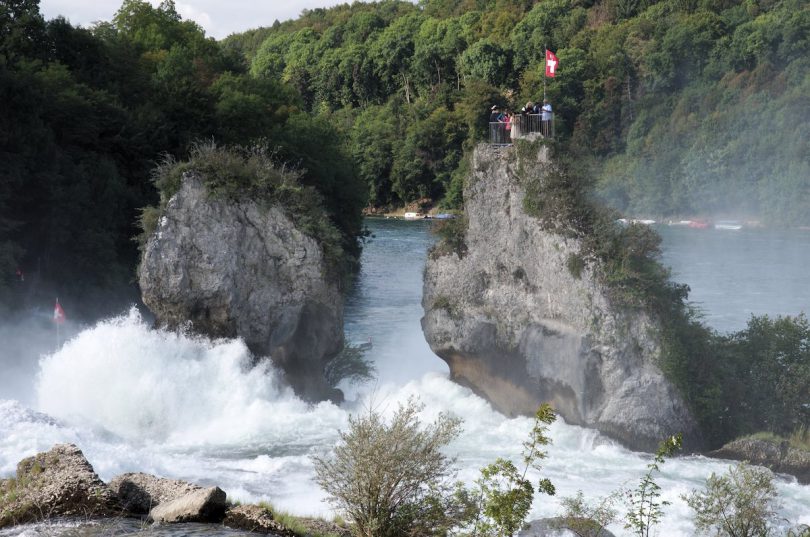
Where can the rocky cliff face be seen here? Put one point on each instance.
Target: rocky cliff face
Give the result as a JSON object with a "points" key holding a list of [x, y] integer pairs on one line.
{"points": [[238, 269], [516, 326]]}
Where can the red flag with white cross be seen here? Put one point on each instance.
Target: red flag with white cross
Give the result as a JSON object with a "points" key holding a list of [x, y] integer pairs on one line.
{"points": [[551, 64]]}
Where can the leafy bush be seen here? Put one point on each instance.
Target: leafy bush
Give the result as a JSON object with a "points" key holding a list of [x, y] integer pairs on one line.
{"points": [[444, 303], [645, 509], [575, 265], [451, 234], [505, 494], [587, 519], [392, 479], [742, 503], [350, 364], [753, 380]]}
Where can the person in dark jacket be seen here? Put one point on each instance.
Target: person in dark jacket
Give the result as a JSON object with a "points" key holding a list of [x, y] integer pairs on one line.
{"points": [[497, 132]]}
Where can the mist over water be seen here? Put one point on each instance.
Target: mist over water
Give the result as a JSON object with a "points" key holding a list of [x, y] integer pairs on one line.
{"points": [[138, 399]]}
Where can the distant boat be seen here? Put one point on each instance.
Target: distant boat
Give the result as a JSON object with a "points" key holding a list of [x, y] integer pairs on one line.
{"points": [[645, 221], [699, 224], [444, 216], [411, 216], [728, 224]]}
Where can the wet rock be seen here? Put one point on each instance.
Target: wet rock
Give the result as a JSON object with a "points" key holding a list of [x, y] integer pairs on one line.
{"points": [[255, 519], [242, 269], [556, 527], [57, 483], [521, 328], [204, 505], [139, 492], [779, 457]]}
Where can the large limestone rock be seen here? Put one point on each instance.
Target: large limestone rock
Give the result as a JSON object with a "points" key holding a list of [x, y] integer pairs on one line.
{"points": [[139, 493], [517, 327], [239, 269], [57, 483], [204, 505]]}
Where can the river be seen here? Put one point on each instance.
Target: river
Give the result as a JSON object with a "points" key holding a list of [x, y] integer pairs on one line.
{"points": [[137, 399]]}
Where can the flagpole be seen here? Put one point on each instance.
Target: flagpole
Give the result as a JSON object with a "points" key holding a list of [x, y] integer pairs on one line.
{"points": [[56, 322], [545, 68]]}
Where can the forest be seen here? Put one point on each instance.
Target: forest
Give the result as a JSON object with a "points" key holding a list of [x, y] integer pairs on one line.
{"points": [[675, 108]]}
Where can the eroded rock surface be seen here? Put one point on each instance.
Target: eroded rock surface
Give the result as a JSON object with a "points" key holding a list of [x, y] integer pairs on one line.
{"points": [[56, 483], [203, 505], [239, 269], [139, 493], [519, 328]]}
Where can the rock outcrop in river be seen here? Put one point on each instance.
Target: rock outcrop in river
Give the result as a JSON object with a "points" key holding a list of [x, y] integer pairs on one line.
{"points": [[518, 327], [242, 269], [780, 457]]}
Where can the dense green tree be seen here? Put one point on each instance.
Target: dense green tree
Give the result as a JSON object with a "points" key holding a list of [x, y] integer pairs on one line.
{"points": [[486, 61]]}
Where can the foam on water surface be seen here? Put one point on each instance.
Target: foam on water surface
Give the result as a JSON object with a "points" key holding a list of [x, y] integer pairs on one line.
{"points": [[137, 399]]}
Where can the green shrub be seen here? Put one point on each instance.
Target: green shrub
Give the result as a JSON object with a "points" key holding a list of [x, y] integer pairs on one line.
{"points": [[391, 478], [444, 303], [350, 364], [451, 235], [505, 494], [254, 173], [575, 264], [645, 508], [587, 519], [741, 503]]}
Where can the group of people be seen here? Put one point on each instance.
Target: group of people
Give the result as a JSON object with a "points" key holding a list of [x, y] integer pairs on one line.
{"points": [[506, 126]]}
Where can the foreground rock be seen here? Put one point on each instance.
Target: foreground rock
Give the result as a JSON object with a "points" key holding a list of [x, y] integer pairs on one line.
{"points": [[779, 457], [139, 493], [515, 325], [169, 500], [57, 483], [205, 505], [240, 269]]}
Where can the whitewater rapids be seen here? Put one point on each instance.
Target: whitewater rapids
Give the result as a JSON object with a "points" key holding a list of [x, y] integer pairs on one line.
{"points": [[137, 399]]}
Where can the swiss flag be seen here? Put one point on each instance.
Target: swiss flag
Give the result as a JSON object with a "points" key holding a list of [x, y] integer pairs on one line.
{"points": [[551, 64], [58, 313]]}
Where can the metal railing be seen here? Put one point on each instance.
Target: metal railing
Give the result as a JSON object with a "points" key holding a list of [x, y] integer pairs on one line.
{"points": [[520, 126]]}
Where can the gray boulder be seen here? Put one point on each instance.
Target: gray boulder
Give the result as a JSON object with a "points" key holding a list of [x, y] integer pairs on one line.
{"points": [[57, 483], [515, 325], [204, 505], [139, 492], [240, 269]]}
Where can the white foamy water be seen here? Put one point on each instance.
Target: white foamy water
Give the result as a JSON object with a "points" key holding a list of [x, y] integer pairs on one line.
{"points": [[137, 399]]}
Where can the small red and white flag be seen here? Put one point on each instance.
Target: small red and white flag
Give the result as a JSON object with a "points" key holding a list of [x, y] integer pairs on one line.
{"points": [[58, 313], [551, 64]]}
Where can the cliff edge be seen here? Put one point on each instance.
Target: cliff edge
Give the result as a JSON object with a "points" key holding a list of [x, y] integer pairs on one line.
{"points": [[243, 269], [520, 326]]}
